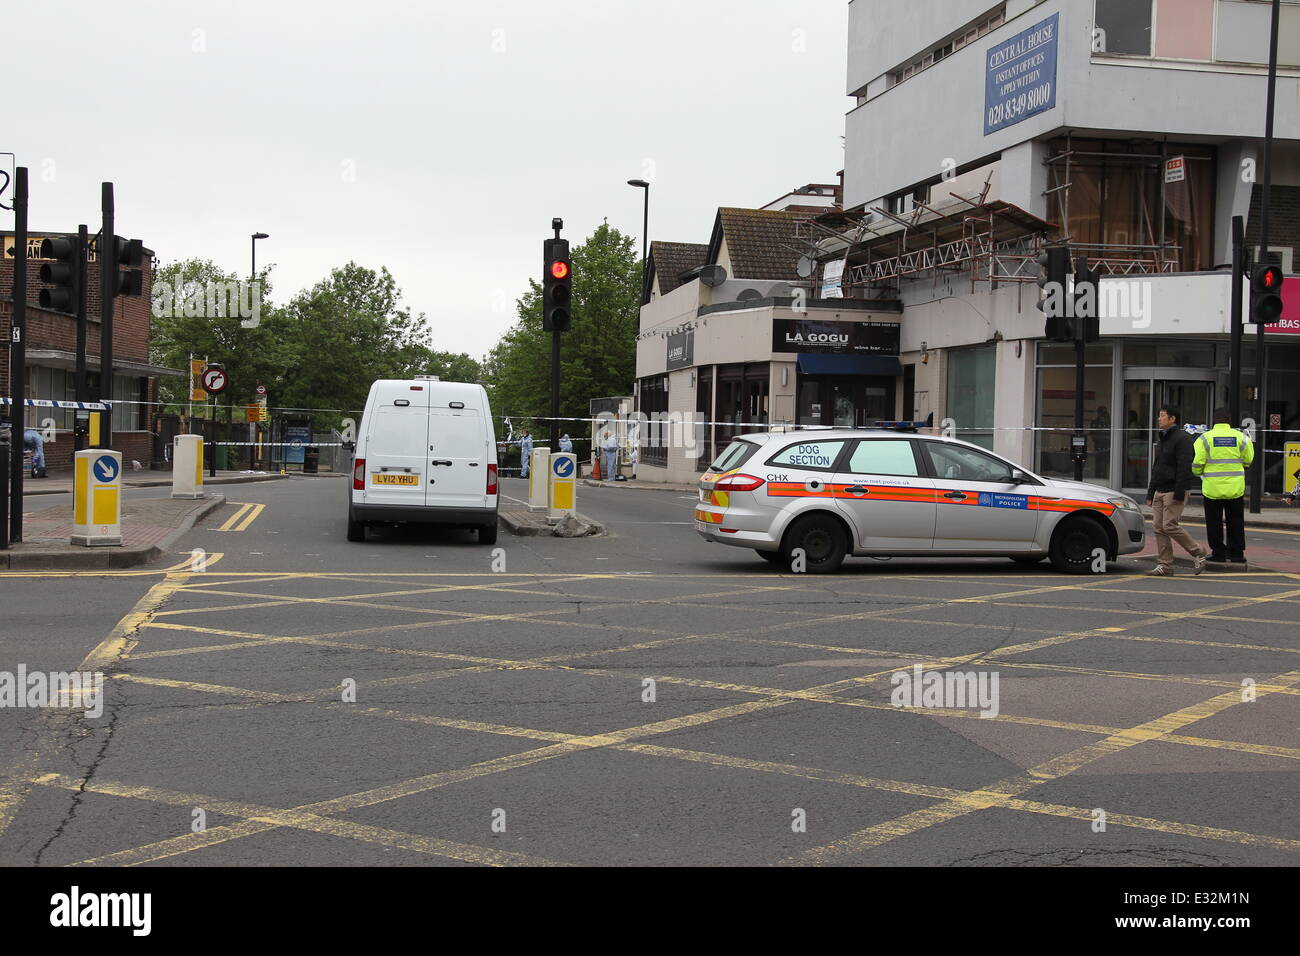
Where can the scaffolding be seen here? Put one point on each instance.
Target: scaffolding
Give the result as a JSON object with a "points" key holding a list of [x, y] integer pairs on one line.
{"points": [[980, 239]]}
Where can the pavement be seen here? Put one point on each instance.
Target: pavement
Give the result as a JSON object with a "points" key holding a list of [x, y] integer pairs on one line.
{"points": [[61, 484], [642, 698], [150, 527]]}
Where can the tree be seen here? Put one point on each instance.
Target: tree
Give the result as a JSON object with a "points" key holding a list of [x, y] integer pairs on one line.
{"points": [[345, 332], [193, 314], [597, 355]]}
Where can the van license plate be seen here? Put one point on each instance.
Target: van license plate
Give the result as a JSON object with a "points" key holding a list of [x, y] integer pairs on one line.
{"points": [[394, 479]]}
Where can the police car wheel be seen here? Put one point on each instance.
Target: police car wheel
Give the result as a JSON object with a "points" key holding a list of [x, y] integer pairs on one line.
{"points": [[822, 541], [771, 557], [1073, 545]]}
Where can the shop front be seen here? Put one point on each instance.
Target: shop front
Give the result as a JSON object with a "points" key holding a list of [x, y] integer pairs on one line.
{"points": [[847, 372]]}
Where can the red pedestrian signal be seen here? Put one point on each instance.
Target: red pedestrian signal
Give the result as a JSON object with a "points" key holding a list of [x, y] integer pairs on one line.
{"points": [[1266, 294]]}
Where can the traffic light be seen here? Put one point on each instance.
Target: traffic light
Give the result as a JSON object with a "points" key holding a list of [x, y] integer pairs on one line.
{"points": [[1086, 290], [557, 286], [130, 253], [1054, 266], [1265, 295], [61, 273]]}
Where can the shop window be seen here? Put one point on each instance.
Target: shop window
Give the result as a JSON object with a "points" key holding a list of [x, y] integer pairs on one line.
{"points": [[972, 375], [653, 402], [1054, 412]]}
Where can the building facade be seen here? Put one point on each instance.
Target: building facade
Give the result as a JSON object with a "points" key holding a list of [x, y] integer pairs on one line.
{"points": [[1131, 129], [52, 359]]}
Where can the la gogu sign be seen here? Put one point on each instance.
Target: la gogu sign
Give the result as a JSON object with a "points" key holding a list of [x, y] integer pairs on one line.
{"points": [[801, 335]]}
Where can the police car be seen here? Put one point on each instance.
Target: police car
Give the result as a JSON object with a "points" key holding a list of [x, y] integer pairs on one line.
{"points": [[836, 493]]}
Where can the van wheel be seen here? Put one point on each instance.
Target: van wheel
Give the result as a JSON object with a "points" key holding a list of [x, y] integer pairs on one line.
{"points": [[1073, 545], [487, 534], [823, 541], [356, 530]]}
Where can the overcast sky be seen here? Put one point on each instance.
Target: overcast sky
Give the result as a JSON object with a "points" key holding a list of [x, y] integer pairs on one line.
{"points": [[437, 138]]}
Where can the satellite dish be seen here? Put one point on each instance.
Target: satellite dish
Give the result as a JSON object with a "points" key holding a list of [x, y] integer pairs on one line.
{"points": [[805, 267], [748, 295], [782, 290], [713, 276]]}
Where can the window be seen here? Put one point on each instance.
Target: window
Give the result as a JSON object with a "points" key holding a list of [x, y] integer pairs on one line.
{"points": [[893, 456], [966, 35], [810, 456], [128, 413], [1054, 414], [733, 456], [653, 401], [971, 376], [1118, 198], [955, 463], [1123, 27]]}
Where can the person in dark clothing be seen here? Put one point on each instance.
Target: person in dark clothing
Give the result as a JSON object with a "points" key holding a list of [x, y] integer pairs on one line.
{"points": [[1171, 478]]}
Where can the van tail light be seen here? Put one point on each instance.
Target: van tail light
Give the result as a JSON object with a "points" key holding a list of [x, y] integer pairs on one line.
{"points": [[738, 483], [492, 480], [359, 475]]}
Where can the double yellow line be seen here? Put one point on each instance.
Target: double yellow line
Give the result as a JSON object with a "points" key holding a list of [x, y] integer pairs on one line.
{"points": [[242, 518]]}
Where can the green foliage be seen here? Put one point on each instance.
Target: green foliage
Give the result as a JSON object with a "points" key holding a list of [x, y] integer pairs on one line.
{"points": [[320, 351], [598, 354]]}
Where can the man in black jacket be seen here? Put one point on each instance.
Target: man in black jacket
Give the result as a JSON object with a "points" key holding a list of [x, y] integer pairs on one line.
{"points": [[1171, 477]]}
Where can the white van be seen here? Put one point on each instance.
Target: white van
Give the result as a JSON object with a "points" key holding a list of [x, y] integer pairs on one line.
{"points": [[426, 453]]}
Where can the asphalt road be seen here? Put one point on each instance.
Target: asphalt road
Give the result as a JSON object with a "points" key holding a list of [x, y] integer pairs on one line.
{"points": [[640, 698]]}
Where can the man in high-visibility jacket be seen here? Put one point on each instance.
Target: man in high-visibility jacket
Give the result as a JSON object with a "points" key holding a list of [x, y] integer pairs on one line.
{"points": [[1222, 456]]}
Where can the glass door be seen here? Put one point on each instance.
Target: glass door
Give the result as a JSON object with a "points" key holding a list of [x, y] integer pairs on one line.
{"points": [[1143, 399]]}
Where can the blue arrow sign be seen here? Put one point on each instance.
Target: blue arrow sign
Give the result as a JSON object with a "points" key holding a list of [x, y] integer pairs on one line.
{"points": [[105, 468], [563, 467]]}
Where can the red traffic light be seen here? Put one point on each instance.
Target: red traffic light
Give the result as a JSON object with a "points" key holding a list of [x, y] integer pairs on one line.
{"points": [[560, 269], [1268, 279]]}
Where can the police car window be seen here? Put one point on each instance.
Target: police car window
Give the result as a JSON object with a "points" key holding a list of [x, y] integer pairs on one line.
{"points": [[733, 456], [884, 457], [966, 464], [813, 455]]}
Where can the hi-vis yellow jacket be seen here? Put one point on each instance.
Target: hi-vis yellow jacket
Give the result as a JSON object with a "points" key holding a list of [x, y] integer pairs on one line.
{"points": [[1222, 454]]}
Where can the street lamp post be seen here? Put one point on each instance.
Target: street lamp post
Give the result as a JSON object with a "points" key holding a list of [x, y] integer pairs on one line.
{"points": [[645, 220], [256, 236]]}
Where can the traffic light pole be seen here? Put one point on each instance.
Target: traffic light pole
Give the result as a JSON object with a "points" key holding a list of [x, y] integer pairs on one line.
{"points": [[1238, 278], [555, 373], [1080, 439], [1261, 418], [79, 437], [18, 357], [107, 288]]}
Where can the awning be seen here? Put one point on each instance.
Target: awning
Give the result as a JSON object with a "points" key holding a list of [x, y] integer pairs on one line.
{"points": [[58, 358], [813, 363]]}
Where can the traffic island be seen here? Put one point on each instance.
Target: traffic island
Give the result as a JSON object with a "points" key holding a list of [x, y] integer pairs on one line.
{"points": [[150, 529], [534, 523]]}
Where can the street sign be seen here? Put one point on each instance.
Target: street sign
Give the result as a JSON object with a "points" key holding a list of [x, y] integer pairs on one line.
{"points": [[214, 380], [261, 390], [1291, 466], [97, 498], [564, 472], [196, 380]]}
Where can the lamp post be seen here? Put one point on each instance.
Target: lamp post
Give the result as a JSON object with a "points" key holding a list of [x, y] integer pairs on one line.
{"points": [[256, 236], [645, 220]]}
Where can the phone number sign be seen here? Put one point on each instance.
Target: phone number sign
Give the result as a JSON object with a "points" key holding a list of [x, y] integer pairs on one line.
{"points": [[1020, 76]]}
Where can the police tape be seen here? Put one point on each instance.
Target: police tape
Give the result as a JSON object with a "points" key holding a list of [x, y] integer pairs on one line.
{"points": [[54, 403], [275, 444]]}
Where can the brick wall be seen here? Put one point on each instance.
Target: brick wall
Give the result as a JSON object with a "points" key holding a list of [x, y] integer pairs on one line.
{"points": [[54, 330]]}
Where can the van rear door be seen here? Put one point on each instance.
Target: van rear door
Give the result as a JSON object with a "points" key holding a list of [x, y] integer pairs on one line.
{"points": [[396, 447], [458, 459]]}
